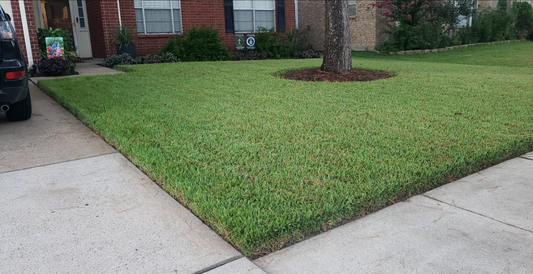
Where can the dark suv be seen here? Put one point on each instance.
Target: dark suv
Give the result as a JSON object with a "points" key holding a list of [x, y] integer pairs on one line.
{"points": [[14, 92]]}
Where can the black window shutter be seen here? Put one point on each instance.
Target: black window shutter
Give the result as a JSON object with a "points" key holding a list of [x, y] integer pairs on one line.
{"points": [[228, 16], [280, 15]]}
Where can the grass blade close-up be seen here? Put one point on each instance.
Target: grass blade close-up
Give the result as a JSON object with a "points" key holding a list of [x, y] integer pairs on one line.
{"points": [[267, 162]]}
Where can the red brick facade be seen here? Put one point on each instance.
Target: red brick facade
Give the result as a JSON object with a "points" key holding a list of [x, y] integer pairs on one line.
{"points": [[32, 28], [194, 13], [103, 17]]}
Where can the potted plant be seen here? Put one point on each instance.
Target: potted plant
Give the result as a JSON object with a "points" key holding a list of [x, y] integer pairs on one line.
{"points": [[124, 39], [524, 18]]}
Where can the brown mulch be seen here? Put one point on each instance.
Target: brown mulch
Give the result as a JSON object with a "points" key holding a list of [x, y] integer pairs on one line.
{"points": [[315, 74]]}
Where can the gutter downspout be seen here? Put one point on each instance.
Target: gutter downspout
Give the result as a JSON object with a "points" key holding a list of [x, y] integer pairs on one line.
{"points": [[25, 30], [296, 13], [119, 17]]}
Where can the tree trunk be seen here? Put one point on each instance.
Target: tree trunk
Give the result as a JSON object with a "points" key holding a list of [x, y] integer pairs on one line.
{"points": [[337, 53]]}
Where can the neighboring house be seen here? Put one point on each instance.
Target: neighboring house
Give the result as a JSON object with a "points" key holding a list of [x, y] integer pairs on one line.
{"points": [[367, 24], [92, 21]]}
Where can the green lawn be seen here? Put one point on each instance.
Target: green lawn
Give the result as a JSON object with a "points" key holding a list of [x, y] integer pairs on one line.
{"points": [[508, 54], [266, 161]]}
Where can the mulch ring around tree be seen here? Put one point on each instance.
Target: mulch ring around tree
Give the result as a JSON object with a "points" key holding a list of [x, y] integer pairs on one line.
{"points": [[315, 74]]}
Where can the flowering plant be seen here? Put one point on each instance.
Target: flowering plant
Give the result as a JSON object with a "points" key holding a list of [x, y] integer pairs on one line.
{"points": [[422, 24]]}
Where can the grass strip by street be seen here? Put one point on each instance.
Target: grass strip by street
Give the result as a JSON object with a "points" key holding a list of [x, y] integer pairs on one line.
{"points": [[267, 161]]}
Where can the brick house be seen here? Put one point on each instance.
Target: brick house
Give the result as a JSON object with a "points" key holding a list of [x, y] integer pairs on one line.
{"points": [[367, 24], [92, 21]]}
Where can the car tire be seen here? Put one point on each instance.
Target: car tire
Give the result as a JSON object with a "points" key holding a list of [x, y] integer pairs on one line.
{"points": [[20, 111]]}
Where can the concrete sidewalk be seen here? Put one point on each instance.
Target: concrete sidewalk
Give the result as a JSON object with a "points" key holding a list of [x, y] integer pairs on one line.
{"points": [[480, 224], [71, 204]]}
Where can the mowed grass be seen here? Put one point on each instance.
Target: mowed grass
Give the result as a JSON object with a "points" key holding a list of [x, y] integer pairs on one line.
{"points": [[508, 54], [266, 161]]}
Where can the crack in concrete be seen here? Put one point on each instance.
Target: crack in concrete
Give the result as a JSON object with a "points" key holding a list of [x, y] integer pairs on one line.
{"points": [[479, 214], [60, 162], [523, 157], [217, 265]]}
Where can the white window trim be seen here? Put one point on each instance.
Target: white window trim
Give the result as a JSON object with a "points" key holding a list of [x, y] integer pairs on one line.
{"points": [[254, 30], [172, 8]]}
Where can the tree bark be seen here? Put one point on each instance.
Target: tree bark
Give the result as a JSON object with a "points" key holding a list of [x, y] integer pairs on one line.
{"points": [[337, 53]]}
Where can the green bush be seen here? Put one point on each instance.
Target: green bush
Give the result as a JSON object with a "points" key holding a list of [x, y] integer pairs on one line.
{"points": [[492, 25], [197, 44], [530, 36], [299, 38], [268, 42], [427, 25], [156, 58], [307, 54], [123, 34], [422, 24], [246, 54], [524, 17], [123, 59]]}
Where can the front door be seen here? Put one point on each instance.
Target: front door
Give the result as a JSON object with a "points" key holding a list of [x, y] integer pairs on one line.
{"points": [[70, 15], [80, 28]]}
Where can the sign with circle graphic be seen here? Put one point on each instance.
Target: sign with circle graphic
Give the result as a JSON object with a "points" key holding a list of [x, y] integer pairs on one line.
{"points": [[239, 41], [250, 41]]}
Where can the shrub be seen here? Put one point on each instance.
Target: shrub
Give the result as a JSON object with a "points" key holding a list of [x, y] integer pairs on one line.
{"points": [[422, 24], [197, 44], [523, 14], [123, 34], [266, 41], [152, 59], [249, 55], [169, 58], [123, 59], [530, 36], [299, 38], [492, 25], [56, 66], [307, 54], [156, 58]]}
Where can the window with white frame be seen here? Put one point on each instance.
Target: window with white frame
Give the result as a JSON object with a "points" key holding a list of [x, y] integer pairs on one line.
{"points": [[158, 16], [351, 7], [250, 15]]}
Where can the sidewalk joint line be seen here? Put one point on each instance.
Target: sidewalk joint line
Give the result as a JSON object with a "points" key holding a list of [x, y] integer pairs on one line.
{"points": [[217, 265], [479, 214], [525, 158], [61, 162]]}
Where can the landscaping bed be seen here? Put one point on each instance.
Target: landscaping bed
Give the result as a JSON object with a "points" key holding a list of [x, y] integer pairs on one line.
{"points": [[267, 161], [316, 74]]}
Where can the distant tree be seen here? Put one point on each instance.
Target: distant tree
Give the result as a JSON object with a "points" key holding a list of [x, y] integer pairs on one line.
{"points": [[337, 53]]}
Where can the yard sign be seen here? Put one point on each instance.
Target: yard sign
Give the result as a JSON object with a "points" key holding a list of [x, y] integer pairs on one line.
{"points": [[54, 47]]}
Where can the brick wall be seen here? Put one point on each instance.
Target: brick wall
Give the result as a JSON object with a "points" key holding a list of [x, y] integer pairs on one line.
{"points": [[290, 16], [94, 17], [32, 28], [363, 26], [366, 27], [312, 13], [194, 13]]}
